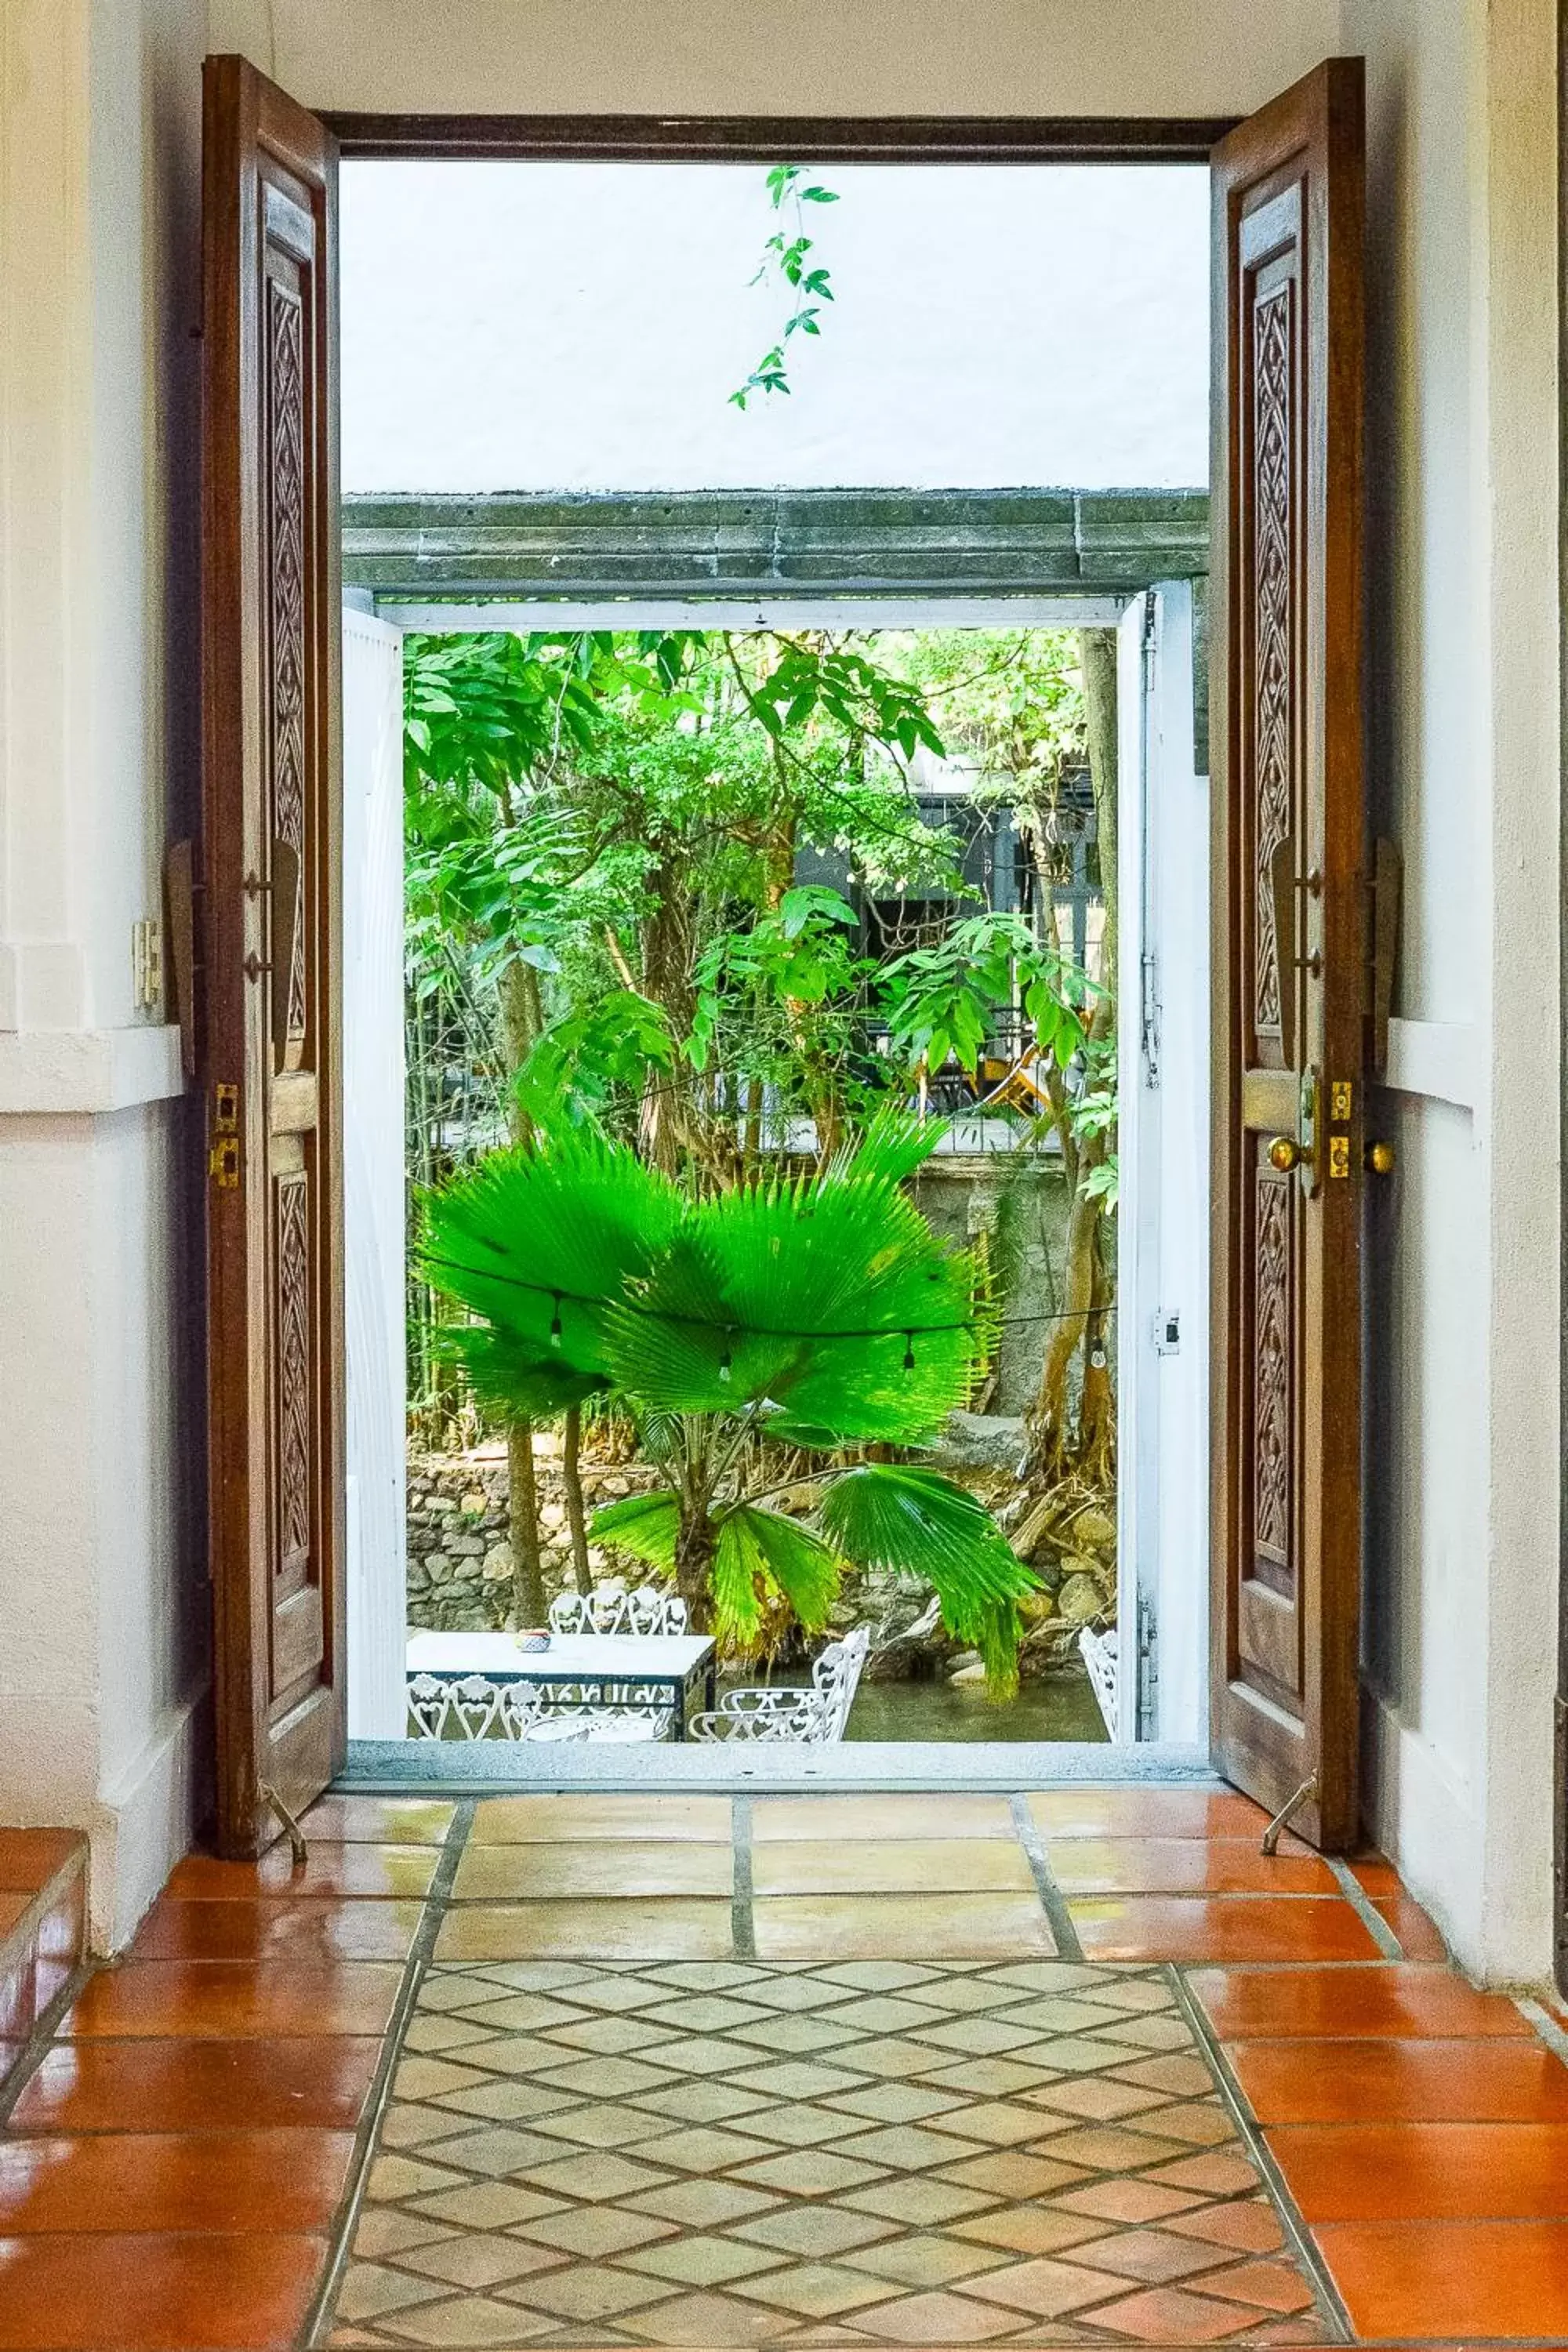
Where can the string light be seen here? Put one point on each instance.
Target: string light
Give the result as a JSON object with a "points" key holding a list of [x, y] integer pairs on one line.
{"points": [[727, 1360], [908, 1332]]}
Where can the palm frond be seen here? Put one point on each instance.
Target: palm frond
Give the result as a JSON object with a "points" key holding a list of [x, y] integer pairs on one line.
{"points": [[888, 1515], [508, 1375], [573, 1211], [763, 1548], [644, 1525], [894, 1144], [832, 1299]]}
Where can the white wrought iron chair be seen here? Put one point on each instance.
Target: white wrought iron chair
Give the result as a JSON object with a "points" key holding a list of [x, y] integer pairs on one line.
{"points": [[472, 1707], [1101, 1654], [813, 1716], [611, 1608], [633, 1714]]}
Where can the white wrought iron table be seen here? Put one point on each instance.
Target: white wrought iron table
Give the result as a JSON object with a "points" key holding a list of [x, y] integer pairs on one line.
{"points": [[597, 1669]]}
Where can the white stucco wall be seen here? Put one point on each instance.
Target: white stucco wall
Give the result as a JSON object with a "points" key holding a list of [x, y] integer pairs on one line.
{"points": [[783, 56], [991, 325], [97, 272], [101, 1605], [1464, 1321]]}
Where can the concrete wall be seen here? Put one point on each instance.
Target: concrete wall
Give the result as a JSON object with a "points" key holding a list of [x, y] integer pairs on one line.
{"points": [[1465, 1311], [100, 1554]]}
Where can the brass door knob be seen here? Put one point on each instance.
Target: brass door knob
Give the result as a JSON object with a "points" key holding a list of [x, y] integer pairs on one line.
{"points": [[1285, 1153], [1380, 1158]]}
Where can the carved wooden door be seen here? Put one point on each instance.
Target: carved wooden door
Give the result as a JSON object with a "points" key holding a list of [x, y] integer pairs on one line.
{"points": [[1289, 959], [272, 950]]}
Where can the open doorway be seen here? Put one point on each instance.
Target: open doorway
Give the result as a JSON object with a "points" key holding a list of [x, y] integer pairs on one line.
{"points": [[768, 771], [1301, 930]]}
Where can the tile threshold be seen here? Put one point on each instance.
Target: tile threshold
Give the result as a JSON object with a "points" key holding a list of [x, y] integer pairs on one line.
{"points": [[389, 1767]]}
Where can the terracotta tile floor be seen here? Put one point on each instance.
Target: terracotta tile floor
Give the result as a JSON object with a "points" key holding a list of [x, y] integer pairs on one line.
{"points": [[1076, 2068]]}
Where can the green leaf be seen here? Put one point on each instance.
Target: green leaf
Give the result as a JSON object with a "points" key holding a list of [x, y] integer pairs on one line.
{"points": [[804, 1295], [758, 1549], [885, 1515], [647, 1526]]}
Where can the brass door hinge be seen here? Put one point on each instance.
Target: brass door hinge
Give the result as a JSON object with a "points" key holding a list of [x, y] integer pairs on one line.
{"points": [[223, 1160]]}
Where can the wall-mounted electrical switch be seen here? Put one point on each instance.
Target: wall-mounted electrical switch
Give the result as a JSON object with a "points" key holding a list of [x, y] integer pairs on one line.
{"points": [[147, 963]]}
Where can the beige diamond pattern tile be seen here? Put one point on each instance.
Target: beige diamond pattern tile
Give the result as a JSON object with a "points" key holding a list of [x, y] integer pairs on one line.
{"points": [[717, 2320], [597, 2293], [811, 2172], [704, 2204], [598, 2123], [803, 2126], [936, 2319], [703, 2149], [718, 2156], [480, 2262], [701, 2102], [1045, 2288], [821, 2230], [801, 2078], [701, 2261], [814, 2290], [506, 2101], [475, 2321], [599, 2178], [918, 2202], [905, 2147], [899, 2103], [924, 2261], [370, 2291], [593, 2233]]}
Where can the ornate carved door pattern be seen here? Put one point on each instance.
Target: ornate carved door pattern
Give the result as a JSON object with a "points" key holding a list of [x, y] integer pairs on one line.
{"points": [[1289, 959], [271, 605]]}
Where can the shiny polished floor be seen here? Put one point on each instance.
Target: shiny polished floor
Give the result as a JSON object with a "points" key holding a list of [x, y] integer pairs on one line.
{"points": [[1068, 2067]]}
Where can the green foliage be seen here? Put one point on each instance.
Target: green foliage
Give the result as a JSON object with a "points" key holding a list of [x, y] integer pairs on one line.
{"points": [[786, 262], [942, 1000], [760, 1553], [486, 709], [842, 685], [585, 1058], [825, 1311], [890, 1515]]}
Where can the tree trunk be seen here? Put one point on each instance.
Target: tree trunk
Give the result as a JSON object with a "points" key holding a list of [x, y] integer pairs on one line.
{"points": [[518, 990], [527, 1567], [1097, 657], [667, 1115], [1054, 1448], [694, 1566], [520, 1010], [572, 1479]]}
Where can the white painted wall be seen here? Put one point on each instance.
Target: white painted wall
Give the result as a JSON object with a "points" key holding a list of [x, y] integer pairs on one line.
{"points": [[1462, 1464], [102, 1660], [783, 56], [990, 325], [98, 255]]}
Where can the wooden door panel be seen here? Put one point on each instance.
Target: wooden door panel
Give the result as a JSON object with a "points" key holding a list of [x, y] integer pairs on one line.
{"points": [[1289, 964], [271, 605]]}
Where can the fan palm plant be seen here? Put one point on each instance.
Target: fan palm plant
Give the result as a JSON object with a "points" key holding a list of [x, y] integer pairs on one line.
{"points": [[821, 1314]]}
